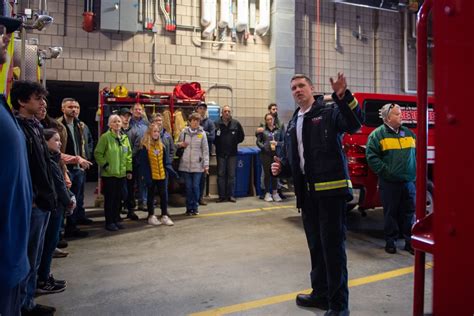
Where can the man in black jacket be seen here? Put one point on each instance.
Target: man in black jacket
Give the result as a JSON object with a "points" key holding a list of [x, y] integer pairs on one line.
{"points": [[229, 133], [313, 155], [28, 99]]}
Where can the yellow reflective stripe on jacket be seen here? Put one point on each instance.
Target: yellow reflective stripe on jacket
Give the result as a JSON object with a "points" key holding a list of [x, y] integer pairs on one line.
{"points": [[353, 104], [331, 185], [397, 143]]}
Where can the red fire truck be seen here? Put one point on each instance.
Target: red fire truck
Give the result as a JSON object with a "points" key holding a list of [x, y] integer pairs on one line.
{"points": [[364, 181]]}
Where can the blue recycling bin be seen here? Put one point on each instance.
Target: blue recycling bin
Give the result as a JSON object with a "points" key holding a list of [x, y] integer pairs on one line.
{"points": [[257, 170], [242, 171], [248, 160]]}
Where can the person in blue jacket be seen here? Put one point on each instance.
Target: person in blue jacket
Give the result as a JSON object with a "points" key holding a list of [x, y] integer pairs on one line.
{"points": [[15, 183]]}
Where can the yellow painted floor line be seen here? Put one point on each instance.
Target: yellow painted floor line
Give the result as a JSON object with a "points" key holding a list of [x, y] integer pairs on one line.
{"points": [[291, 296], [260, 209]]}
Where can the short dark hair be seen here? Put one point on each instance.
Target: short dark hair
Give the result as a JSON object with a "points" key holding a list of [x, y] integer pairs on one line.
{"points": [[68, 100], [271, 105], [302, 76], [22, 90]]}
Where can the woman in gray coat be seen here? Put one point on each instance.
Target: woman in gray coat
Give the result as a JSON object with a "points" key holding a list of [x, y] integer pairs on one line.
{"points": [[194, 161]]}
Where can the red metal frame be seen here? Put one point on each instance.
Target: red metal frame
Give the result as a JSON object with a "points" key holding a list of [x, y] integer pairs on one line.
{"points": [[448, 231], [421, 147]]}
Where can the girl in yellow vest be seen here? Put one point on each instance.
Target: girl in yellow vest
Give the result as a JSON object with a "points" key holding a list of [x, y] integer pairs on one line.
{"points": [[155, 167]]}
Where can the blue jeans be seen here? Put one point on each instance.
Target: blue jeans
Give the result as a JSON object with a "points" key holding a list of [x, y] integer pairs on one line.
{"points": [[10, 301], [192, 181], [141, 185], [38, 225], [226, 176], [78, 179], [51, 239]]}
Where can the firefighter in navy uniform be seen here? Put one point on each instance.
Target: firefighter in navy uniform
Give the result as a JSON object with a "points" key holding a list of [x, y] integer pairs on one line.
{"points": [[313, 155]]}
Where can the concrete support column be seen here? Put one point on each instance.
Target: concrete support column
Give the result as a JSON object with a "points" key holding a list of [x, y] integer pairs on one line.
{"points": [[282, 56]]}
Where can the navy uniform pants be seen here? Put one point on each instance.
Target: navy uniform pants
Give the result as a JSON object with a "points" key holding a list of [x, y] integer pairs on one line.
{"points": [[324, 221], [398, 200]]}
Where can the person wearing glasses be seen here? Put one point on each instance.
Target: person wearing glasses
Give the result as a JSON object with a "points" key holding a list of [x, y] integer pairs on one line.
{"points": [[312, 154], [391, 154]]}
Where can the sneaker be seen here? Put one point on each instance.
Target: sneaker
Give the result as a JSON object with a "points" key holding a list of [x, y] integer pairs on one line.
{"points": [[57, 281], [62, 244], [189, 213], [119, 225], [58, 253], [166, 220], [195, 212], [111, 227], [202, 202], [276, 197], [131, 215], [409, 248], [141, 207], [232, 199], [49, 287], [85, 221], [268, 197], [282, 196], [390, 248], [39, 310], [75, 233], [221, 200], [153, 220]]}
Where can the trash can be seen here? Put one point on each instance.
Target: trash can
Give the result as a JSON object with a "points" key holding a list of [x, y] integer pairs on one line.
{"points": [[257, 170], [242, 172]]}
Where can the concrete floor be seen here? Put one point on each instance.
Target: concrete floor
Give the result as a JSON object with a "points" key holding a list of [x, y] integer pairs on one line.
{"points": [[208, 262]]}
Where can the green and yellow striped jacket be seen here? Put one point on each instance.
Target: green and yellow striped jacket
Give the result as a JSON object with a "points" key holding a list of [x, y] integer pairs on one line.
{"points": [[392, 155]]}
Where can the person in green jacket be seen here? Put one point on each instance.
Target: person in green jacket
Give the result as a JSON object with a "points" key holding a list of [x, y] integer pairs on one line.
{"points": [[391, 154], [114, 156]]}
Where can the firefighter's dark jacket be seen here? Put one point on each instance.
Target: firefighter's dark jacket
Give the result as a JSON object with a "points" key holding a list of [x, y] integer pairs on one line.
{"points": [[325, 170], [44, 193]]}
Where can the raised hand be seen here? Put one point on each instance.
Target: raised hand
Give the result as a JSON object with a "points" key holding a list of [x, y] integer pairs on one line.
{"points": [[340, 85]]}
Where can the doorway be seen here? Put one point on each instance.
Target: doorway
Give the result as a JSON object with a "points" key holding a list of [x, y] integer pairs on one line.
{"points": [[87, 94]]}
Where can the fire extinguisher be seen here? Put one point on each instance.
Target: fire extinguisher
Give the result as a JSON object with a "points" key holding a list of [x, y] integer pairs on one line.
{"points": [[88, 16]]}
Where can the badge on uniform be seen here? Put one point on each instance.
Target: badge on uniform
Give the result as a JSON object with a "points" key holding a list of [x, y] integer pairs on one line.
{"points": [[199, 135], [402, 133], [218, 133], [156, 152], [124, 149]]}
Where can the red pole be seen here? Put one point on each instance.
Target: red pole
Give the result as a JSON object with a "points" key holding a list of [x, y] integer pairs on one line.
{"points": [[421, 147]]}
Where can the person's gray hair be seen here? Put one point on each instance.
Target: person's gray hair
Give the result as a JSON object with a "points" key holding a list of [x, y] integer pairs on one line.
{"points": [[385, 110], [113, 116]]}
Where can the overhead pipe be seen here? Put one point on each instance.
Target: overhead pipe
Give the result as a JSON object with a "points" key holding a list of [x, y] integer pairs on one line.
{"points": [[263, 24], [224, 16], [242, 15], [196, 38], [211, 17], [158, 79]]}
